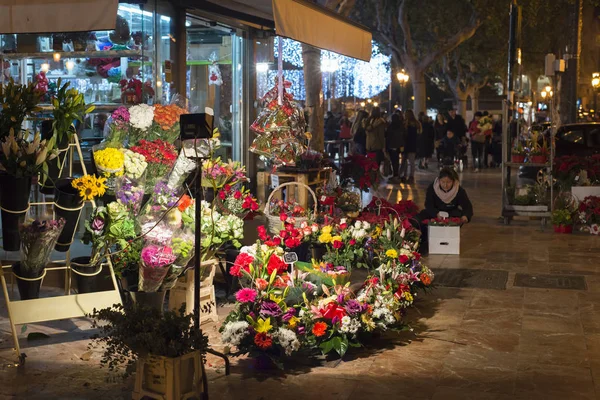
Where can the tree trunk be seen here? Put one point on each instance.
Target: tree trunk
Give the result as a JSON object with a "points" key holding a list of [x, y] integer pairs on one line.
{"points": [[419, 91], [461, 104], [313, 84], [475, 100]]}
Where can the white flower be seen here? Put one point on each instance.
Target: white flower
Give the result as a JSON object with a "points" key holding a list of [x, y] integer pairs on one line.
{"points": [[366, 225], [349, 325], [288, 340], [235, 332], [141, 116], [595, 229], [357, 224], [343, 221]]}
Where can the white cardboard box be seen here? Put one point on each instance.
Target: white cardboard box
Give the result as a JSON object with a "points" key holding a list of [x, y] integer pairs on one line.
{"points": [[581, 192], [444, 240]]}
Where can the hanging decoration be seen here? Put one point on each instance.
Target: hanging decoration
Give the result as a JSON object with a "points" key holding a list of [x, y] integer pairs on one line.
{"points": [[214, 73]]}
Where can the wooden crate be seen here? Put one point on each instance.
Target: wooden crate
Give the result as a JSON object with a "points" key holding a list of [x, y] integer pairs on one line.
{"points": [[166, 378], [183, 293]]}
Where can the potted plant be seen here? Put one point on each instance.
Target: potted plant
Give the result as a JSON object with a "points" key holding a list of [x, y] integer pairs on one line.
{"points": [[68, 106], [563, 221], [166, 348], [21, 159], [589, 214], [38, 238], [538, 153], [518, 153], [580, 175]]}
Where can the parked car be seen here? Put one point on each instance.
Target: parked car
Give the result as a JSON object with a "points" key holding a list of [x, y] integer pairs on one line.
{"points": [[581, 139]]}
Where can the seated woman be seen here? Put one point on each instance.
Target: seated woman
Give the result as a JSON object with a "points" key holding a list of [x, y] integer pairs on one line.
{"points": [[444, 195]]}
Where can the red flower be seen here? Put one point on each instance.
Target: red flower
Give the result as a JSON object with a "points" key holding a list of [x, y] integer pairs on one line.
{"points": [[319, 329], [263, 340], [283, 217], [237, 195], [333, 310], [338, 244], [406, 224], [343, 226], [292, 242], [227, 188], [276, 264], [222, 195], [352, 242], [242, 261], [274, 242], [417, 255], [262, 233], [261, 284], [403, 259]]}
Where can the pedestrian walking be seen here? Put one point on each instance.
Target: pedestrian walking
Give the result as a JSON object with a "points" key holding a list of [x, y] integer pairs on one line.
{"points": [[477, 141], [425, 144], [359, 134], [375, 127], [395, 137], [440, 129], [345, 131], [413, 130]]}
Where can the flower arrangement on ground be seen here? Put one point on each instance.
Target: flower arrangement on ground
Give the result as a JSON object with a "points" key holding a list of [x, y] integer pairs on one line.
{"points": [[589, 214], [577, 171]]}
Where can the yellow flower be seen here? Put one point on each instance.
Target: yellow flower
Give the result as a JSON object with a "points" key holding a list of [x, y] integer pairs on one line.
{"points": [[391, 253], [275, 298], [293, 321], [368, 321], [100, 185], [263, 326], [377, 232], [326, 229], [325, 238], [407, 296], [336, 238], [87, 193]]}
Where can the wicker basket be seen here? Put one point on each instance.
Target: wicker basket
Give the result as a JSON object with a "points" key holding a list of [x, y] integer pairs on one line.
{"points": [[274, 221]]}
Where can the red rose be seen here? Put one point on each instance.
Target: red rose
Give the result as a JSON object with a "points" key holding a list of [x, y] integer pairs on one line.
{"points": [[352, 242], [274, 242], [283, 217], [276, 264], [407, 225], [242, 261], [417, 255], [284, 234], [332, 310], [262, 233], [338, 244], [403, 259], [343, 226], [291, 242], [227, 188], [237, 195], [222, 195]]}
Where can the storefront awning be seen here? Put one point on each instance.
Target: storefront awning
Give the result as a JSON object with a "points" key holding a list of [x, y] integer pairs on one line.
{"points": [[305, 22], [48, 16]]}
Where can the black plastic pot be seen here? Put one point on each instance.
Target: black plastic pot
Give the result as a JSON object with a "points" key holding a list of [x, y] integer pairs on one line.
{"points": [[27, 289], [318, 251], [67, 204], [55, 166], [132, 277], [14, 200], [86, 275], [154, 300]]}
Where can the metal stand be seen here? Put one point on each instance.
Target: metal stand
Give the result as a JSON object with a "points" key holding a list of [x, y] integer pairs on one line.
{"points": [[62, 307]]}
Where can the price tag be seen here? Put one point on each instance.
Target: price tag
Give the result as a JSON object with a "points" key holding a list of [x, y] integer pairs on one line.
{"points": [[444, 214], [274, 181], [290, 258], [323, 198]]}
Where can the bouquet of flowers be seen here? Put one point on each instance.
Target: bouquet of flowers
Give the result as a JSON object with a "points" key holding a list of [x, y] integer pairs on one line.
{"points": [[362, 171], [160, 157], [89, 186], [589, 214], [96, 231], [38, 238], [287, 208], [183, 248], [187, 207], [135, 164], [218, 229], [439, 221], [163, 199], [23, 158], [167, 120], [130, 193], [577, 171], [346, 245], [110, 162], [238, 202], [119, 127], [154, 266], [141, 117], [485, 125], [216, 173]]}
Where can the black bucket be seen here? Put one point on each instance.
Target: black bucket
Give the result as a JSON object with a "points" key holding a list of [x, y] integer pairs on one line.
{"points": [[14, 200], [67, 204], [29, 286], [154, 300], [56, 166], [86, 275]]}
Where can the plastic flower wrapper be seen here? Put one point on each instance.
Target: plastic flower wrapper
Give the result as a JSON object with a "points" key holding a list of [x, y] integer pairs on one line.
{"points": [[160, 156], [183, 248], [218, 229], [135, 164], [155, 262], [163, 199], [38, 238], [156, 230], [118, 127], [217, 173], [130, 193], [183, 167], [110, 163]]}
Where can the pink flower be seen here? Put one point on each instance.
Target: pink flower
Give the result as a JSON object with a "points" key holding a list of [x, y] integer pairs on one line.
{"points": [[246, 295]]}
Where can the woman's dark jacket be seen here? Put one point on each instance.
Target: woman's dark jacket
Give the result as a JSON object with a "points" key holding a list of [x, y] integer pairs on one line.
{"points": [[459, 206]]}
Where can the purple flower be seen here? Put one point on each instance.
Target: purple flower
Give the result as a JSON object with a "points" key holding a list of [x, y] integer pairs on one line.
{"points": [[340, 299], [270, 309], [301, 330], [252, 315], [291, 312], [98, 224], [353, 307]]}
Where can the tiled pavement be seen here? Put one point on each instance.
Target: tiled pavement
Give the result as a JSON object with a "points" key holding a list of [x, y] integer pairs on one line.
{"points": [[518, 343]]}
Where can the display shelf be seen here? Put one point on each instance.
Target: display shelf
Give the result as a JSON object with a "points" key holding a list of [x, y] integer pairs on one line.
{"points": [[79, 54], [527, 164], [98, 107]]}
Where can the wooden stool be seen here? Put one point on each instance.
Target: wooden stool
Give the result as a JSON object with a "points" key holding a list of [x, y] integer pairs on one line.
{"points": [[166, 378], [183, 292]]}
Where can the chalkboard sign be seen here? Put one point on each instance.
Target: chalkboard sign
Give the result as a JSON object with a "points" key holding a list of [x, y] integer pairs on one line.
{"points": [[290, 258]]}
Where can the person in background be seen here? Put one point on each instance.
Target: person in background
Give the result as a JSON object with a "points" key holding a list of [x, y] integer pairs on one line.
{"points": [[331, 133], [448, 149], [425, 143], [345, 131], [375, 127], [456, 123], [394, 141], [444, 195], [440, 132], [497, 142], [358, 133], [413, 130], [477, 141]]}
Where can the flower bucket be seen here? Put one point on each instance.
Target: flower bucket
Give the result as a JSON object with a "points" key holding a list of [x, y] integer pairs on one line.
{"points": [[563, 228], [14, 204], [539, 159], [318, 251], [86, 274], [154, 300], [67, 204], [55, 166], [29, 286], [517, 158]]}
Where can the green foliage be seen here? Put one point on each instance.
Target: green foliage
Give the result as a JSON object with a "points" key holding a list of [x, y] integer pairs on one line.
{"points": [[69, 105], [17, 102], [129, 333], [562, 217]]}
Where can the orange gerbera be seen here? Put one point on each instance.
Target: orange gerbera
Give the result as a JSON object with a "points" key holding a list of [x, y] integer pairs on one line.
{"points": [[426, 279], [185, 202], [319, 329], [263, 340]]}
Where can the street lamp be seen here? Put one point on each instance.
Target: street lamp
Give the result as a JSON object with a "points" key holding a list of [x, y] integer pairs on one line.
{"points": [[596, 85], [329, 65], [402, 77]]}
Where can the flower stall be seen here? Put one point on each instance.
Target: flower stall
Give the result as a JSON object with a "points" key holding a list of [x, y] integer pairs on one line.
{"points": [[579, 174]]}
